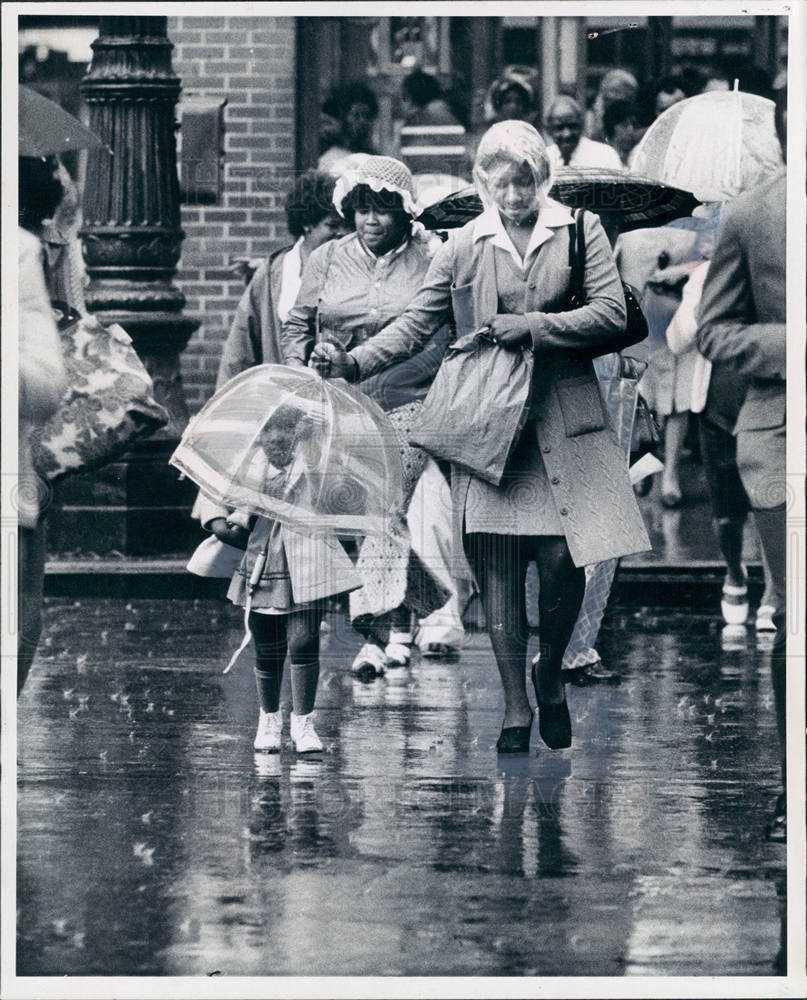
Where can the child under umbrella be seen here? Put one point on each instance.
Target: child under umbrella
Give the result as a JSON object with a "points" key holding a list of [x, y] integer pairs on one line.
{"points": [[295, 469]]}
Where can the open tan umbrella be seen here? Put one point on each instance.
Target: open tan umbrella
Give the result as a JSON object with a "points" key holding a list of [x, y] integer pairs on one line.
{"points": [[46, 129], [715, 145]]}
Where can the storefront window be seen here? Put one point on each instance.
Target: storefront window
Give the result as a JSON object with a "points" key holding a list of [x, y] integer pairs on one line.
{"points": [[399, 44]]}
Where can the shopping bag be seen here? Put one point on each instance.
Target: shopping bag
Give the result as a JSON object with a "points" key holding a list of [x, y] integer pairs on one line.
{"points": [[477, 405], [107, 406]]}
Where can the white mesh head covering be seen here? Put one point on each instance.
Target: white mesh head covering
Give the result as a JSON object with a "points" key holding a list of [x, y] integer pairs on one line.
{"points": [[507, 143], [379, 173]]}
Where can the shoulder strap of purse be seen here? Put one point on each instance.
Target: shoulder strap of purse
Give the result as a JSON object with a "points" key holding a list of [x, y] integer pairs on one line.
{"points": [[328, 258], [577, 254]]}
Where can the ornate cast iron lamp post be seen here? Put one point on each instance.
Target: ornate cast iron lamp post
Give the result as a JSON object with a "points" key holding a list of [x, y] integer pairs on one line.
{"points": [[132, 240], [132, 235]]}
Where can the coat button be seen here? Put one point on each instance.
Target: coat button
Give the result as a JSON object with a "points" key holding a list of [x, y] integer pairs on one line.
{"points": [[531, 285], [555, 480], [564, 511], [546, 449]]}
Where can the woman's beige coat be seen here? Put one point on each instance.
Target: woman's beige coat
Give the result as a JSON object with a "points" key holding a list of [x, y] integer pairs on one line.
{"points": [[584, 463]]}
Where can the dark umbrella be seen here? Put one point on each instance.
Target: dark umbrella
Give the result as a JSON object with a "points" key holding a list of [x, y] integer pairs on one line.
{"points": [[631, 201], [46, 129]]}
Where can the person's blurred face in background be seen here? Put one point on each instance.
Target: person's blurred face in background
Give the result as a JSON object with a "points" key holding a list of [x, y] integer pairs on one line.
{"points": [[623, 136], [329, 228], [665, 99], [619, 126], [565, 124], [358, 126], [513, 104]]}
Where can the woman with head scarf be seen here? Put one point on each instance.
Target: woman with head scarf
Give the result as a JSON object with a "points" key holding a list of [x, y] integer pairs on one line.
{"points": [[565, 499], [351, 289]]}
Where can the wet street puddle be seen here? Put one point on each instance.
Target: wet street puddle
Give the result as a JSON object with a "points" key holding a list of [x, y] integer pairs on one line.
{"points": [[154, 841]]}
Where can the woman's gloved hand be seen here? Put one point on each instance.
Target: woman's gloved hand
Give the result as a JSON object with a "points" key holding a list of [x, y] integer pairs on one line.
{"points": [[332, 361]]}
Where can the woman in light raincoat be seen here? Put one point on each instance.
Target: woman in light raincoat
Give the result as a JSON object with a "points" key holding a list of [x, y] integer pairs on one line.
{"points": [[565, 499]]}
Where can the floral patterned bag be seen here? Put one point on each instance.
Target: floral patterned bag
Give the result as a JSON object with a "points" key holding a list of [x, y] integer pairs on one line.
{"points": [[108, 405]]}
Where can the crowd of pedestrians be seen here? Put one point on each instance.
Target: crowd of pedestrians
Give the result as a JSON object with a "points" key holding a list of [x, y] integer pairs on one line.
{"points": [[361, 293]]}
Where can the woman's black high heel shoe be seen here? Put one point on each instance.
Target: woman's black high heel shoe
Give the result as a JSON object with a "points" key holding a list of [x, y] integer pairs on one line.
{"points": [[554, 723], [514, 739]]}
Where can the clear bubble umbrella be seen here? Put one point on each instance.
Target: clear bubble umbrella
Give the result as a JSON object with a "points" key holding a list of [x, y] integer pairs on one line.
{"points": [[715, 145], [286, 444]]}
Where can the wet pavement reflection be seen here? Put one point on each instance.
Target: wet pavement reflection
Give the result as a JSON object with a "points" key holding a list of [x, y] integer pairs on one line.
{"points": [[153, 841]]}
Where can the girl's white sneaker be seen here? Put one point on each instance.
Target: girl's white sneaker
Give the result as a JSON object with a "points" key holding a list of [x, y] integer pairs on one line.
{"points": [[303, 734], [270, 727]]}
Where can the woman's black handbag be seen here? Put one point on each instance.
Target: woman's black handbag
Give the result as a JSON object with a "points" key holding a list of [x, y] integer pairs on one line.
{"points": [[636, 329]]}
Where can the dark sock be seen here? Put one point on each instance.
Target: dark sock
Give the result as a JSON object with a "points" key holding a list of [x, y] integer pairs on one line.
{"points": [[268, 685], [304, 679], [303, 632], [269, 635]]}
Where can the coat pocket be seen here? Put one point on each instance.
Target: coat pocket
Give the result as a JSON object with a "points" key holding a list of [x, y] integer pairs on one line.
{"points": [[462, 303], [764, 408], [581, 405]]}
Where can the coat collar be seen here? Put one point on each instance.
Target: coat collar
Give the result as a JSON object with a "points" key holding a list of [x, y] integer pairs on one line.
{"points": [[552, 216]]}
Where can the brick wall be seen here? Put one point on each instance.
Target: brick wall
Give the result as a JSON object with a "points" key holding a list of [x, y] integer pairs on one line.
{"points": [[250, 61]]}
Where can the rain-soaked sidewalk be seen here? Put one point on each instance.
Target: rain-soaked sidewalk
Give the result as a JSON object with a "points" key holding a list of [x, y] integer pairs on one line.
{"points": [[153, 841]]}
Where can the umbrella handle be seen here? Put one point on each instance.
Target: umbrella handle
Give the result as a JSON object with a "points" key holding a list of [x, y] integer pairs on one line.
{"points": [[254, 577], [257, 569]]}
